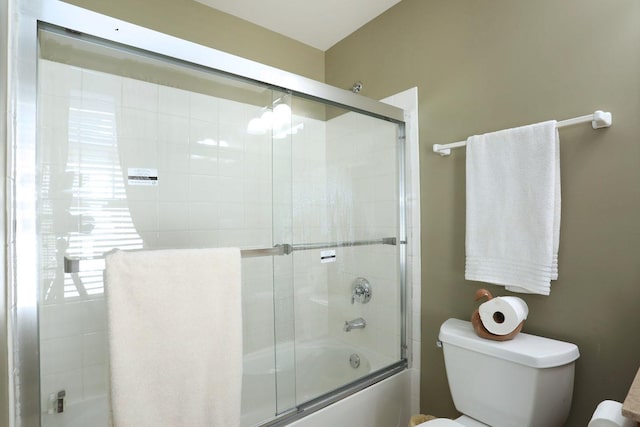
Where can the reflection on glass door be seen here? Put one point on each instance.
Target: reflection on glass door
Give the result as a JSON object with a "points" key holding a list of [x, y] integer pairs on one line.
{"points": [[137, 152]]}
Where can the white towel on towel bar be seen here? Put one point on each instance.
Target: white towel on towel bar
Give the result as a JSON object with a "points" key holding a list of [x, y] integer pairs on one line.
{"points": [[175, 337], [513, 208]]}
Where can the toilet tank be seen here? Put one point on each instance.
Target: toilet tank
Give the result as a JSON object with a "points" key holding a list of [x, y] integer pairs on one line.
{"points": [[527, 381]]}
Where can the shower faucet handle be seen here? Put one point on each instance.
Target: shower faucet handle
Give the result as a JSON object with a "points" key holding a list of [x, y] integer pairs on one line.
{"points": [[360, 291]]}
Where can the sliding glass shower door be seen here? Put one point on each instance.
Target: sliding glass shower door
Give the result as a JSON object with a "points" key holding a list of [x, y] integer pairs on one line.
{"points": [[346, 254], [137, 152]]}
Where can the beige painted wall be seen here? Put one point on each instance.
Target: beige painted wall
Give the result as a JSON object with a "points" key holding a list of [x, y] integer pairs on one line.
{"points": [[486, 65], [195, 22]]}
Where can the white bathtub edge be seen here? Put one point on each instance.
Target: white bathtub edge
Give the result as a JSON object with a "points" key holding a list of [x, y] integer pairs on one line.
{"points": [[385, 404]]}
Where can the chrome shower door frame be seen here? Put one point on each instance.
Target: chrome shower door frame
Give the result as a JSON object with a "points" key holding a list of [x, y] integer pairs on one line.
{"points": [[20, 204]]}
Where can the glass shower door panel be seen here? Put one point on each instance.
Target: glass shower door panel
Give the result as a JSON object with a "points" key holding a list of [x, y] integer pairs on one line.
{"points": [[345, 228], [134, 152]]}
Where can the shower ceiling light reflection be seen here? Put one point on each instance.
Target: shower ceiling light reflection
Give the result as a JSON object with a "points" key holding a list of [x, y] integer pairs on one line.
{"points": [[278, 120]]}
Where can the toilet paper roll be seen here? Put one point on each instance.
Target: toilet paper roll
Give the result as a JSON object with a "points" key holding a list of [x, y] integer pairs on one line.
{"points": [[609, 414], [502, 315]]}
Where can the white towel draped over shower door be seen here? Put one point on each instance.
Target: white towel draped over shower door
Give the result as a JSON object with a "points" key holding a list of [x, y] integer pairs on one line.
{"points": [[175, 337], [513, 208]]}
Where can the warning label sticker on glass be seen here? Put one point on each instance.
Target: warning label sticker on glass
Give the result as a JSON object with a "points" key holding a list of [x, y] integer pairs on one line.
{"points": [[141, 176], [328, 256]]}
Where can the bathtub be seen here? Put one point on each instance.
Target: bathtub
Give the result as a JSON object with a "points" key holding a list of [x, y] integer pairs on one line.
{"points": [[385, 404], [321, 366]]}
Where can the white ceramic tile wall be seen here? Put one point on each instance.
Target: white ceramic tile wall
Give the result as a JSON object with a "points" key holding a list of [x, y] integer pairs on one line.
{"points": [[214, 189], [310, 225], [345, 188], [362, 189]]}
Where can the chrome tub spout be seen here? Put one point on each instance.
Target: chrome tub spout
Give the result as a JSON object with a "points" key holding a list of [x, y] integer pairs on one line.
{"points": [[358, 323]]}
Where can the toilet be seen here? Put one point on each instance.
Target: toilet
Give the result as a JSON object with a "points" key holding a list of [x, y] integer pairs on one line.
{"points": [[524, 382]]}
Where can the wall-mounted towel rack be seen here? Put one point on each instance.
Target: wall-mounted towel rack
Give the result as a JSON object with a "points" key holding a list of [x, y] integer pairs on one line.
{"points": [[599, 119], [73, 264]]}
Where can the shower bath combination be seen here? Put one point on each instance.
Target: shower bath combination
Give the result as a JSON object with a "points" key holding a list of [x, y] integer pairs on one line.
{"points": [[140, 148]]}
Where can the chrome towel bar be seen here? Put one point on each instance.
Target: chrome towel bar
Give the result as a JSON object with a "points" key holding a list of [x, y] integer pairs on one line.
{"points": [[599, 119], [72, 264]]}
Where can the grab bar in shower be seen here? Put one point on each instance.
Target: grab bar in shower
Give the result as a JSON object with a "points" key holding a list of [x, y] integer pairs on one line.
{"points": [[72, 264]]}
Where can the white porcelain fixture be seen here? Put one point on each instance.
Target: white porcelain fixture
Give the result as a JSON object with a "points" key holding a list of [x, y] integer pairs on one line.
{"points": [[525, 382]]}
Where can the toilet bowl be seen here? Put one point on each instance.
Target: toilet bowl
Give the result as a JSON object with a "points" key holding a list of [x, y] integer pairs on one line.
{"points": [[524, 382]]}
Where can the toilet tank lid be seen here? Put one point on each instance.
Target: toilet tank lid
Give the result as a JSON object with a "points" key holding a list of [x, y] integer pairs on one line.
{"points": [[525, 349]]}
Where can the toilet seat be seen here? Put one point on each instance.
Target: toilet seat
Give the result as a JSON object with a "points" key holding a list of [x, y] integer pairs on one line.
{"points": [[440, 422]]}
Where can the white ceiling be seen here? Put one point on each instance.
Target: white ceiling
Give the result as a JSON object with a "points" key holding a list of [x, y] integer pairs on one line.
{"points": [[317, 23]]}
